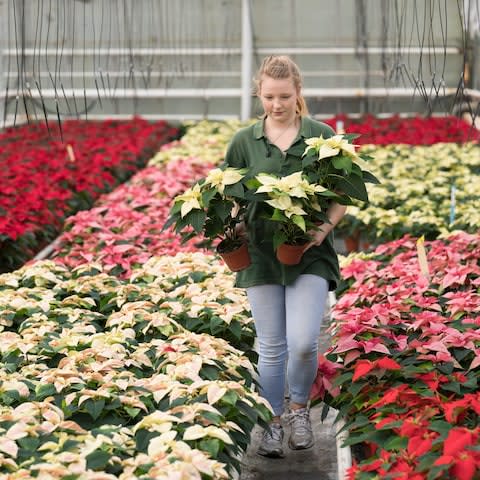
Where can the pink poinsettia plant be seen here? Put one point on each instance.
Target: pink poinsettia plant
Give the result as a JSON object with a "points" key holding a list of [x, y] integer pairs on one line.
{"points": [[124, 229], [407, 338]]}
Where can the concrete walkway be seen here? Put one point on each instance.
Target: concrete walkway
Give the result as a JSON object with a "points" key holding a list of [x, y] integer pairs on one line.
{"points": [[316, 463]]}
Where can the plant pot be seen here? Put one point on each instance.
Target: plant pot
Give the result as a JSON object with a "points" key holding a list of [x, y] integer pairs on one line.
{"points": [[352, 242], [237, 259], [290, 254]]}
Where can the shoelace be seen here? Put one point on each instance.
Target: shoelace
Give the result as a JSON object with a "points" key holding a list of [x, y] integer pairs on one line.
{"points": [[300, 418], [274, 433]]}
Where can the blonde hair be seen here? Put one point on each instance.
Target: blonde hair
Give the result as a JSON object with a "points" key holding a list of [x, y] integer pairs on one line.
{"points": [[281, 67]]}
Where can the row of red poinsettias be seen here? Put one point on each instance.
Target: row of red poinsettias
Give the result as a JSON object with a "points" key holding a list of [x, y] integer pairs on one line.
{"points": [[50, 173], [409, 131]]}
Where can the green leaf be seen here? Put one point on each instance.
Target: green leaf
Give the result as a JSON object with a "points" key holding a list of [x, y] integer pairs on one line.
{"points": [[143, 438], [279, 216], [208, 195], [132, 411], [29, 443], [309, 159], [396, 443], [196, 218], [223, 210], [436, 470], [230, 398], [299, 221], [210, 445], [351, 136], [235, 190], [370, 177], [441, 426], [352, 186], [44, 390], [95, 407], [342, 163], [98, 460]]}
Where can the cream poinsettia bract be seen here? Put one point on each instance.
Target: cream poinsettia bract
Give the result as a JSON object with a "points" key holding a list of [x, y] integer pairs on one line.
{"points": [[219, 178], [286, 205], [293, 185], [330, 147], [191, 199]]}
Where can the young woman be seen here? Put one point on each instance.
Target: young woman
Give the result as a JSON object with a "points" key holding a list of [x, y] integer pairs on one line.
{"points": [[287, 302]]}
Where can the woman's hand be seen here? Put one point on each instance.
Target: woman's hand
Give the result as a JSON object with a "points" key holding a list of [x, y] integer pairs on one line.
{"points": [[317, 236], [334, 213]]}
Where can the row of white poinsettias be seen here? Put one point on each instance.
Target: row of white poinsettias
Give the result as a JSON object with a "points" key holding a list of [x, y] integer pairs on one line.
{"points": [[101, 379]]}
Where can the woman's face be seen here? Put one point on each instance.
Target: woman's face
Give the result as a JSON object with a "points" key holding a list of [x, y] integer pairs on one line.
{"points": [[279, 98]]}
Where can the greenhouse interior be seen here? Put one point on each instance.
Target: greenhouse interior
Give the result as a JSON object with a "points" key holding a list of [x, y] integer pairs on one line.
{"points": [[141, 141]]}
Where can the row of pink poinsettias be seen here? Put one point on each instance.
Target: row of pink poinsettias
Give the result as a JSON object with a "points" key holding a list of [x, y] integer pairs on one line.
{"points": [[406, 356]]}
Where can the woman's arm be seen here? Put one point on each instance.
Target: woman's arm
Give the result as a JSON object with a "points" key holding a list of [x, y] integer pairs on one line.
{"points": [[334, 213]]}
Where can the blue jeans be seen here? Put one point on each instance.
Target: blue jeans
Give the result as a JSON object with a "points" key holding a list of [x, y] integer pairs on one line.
{"points": [[287, 321]]}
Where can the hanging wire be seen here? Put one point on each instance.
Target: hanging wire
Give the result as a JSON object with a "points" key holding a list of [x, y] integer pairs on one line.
{"points": [[417, 31]]}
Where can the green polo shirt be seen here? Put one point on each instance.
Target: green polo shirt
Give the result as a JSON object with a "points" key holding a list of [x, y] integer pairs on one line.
{"points": [[250, 148]]}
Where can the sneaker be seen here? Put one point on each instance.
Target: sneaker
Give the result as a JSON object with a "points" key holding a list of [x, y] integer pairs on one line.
{"points": [[272, 442], [301, 436]]}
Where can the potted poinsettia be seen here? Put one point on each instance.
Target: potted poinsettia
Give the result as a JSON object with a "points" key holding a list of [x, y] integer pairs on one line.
{"points": [[335, 164], [214, 207], [297, 206]]}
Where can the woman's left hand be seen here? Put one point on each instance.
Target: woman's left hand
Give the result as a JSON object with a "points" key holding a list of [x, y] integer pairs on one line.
{"points": [[317, 236]]}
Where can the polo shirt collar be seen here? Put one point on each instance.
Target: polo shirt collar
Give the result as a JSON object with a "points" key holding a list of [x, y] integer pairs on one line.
{"points": [[305, 129]]}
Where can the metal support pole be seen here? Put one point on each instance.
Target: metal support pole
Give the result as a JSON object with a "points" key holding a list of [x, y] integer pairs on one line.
{"points": [[3, 69], [247, 44]]}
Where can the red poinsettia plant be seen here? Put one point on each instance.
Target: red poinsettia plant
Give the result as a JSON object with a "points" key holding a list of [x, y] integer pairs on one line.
{"points": [[50, 173]]}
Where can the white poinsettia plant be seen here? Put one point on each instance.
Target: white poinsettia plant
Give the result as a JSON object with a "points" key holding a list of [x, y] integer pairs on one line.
{"points": [[335, 163], [213, 206], [292, 201]]}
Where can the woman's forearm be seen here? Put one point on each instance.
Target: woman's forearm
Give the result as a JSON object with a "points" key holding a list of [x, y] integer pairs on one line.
{"points": [[334, 214]]}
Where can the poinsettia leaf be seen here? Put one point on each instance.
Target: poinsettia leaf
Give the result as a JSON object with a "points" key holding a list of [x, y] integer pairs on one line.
{"points": [[196, 218], [252, 183], [235, 190], [279, 237], [369, 177], [356, 387], [395, 443], [435, 471], [440, 426], [351, 136], [378, 437], [222, 210], [299, 221], [426, 461], [352, 186], [345, 378], [98, 459], [309, 159], [95, 407], [43, 390], [208, 195], [211, 445], [279, 216], [342, 162]]}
